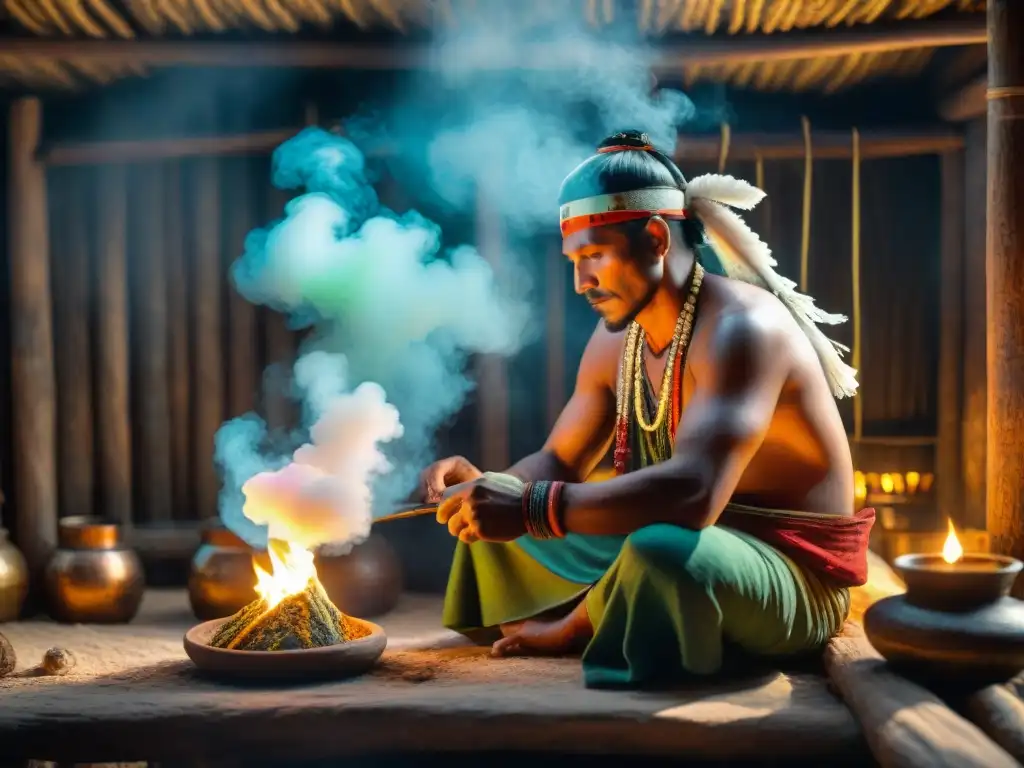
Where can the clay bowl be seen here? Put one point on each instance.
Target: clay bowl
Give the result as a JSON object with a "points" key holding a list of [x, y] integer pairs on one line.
{"points": [[334, 661]]}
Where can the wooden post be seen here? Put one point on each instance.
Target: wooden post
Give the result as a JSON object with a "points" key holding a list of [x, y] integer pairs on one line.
{"points": [[241, 314], [208, 329], [32, 371], [73, 360], [492, 376], [947, 453], [178, 331], [1005, 262], [973, 430], [150, 345], [113, 415], [554, 343]]}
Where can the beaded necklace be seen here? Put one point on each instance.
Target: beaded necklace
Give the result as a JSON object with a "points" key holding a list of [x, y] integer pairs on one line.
{"points": [[651, 440]]}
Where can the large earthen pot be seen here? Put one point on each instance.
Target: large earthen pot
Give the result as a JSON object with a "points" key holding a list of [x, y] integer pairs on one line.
{"points": [[93, 578], [13, 579], [365, 582], [221, 578]]}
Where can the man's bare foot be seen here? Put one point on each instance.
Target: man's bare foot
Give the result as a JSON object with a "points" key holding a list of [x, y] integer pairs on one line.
{"points": [[546, 637]]}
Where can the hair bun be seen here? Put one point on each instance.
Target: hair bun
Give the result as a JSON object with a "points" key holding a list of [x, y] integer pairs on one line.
{"points": [[636, 139]]}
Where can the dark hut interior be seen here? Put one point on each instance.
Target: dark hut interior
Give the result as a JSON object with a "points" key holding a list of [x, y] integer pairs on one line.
{"points": [[125, 346]]}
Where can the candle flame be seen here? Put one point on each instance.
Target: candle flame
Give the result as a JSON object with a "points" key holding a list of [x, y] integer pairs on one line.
{"points": [[951, 550]]}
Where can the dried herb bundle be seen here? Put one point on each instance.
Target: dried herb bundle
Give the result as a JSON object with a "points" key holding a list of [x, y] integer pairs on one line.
{"points": [[304, 620]]}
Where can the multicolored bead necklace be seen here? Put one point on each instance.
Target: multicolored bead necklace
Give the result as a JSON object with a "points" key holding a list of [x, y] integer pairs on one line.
{"points": [[653, 439]]}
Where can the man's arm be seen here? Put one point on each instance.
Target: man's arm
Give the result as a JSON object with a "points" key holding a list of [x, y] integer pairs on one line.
{"points": [[726, 420], [583, 432]]}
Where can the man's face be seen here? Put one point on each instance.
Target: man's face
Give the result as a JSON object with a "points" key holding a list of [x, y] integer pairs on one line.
{"points": [[616, 276]]}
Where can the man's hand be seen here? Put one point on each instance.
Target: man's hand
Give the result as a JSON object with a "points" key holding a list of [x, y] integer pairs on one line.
{"points": [[482, 510], [443, 474]]}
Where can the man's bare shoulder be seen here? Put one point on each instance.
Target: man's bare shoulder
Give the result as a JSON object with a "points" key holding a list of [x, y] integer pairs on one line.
{"points": [[734, 311], [600, 362]]}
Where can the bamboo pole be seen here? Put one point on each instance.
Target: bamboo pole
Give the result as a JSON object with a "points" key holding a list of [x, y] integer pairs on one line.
{"points": [[73, 357], [208, 333], [113, 416], [701, 147], [687, 50], [1004, 264], [241, 313], [33, 396], [150, 348], [951, 305], [178, 329]]}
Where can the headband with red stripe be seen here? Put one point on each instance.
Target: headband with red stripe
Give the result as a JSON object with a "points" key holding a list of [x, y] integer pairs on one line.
{"points": [[601, 210]]}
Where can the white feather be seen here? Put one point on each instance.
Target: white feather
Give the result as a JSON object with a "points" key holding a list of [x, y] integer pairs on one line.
{"points": [[745, 257], [724, 189]]}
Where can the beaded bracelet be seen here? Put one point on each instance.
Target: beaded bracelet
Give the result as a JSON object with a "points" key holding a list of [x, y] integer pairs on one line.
{"points": [[542, 509]]}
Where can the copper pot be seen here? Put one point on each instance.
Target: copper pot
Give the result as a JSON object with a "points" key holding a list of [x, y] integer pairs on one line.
{"points": [[13, 579], [366, 582], [92, 578], [221, 578]]}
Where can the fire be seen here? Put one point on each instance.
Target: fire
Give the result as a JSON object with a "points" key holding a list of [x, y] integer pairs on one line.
{"points": [[951, 550], [292, 569]]}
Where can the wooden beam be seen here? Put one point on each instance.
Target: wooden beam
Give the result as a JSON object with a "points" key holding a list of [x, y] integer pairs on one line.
{"points": [[1005, 279], [951, 306], [770, 146], [667, 57], [33, 385], [904, 724], [967, 103]]}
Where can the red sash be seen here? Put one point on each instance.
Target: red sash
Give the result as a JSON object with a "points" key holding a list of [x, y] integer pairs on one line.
{"points": [[832, 547]]}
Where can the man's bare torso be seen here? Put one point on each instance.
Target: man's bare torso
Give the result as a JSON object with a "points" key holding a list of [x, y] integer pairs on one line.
{"points": [[804, 461]]}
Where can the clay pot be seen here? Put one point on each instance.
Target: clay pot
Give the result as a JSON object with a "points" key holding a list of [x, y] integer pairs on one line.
{"points": [[221, 578], [366, 582], [13, 579], [957, 627], [93, 578]]}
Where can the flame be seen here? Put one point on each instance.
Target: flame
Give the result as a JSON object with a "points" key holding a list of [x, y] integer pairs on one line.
{"points": [[292, 569], [951, 550]]}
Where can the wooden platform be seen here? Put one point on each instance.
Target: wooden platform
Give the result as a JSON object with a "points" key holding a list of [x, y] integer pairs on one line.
{"points": [[135, 696]]}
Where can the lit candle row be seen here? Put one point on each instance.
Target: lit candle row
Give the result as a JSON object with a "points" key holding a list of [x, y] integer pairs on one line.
{"points": [[891, 483]]}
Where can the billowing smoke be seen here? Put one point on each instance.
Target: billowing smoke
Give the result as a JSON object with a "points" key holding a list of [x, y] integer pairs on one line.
{"points": [[392, 313], [394, 317]]}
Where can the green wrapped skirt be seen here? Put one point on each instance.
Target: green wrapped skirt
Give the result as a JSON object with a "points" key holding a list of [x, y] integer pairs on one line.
{"points": [[665, 601]]}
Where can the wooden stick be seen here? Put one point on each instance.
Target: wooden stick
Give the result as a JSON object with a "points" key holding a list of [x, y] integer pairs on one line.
{"points": [[404, 513], [906, 726], [668, 57]]}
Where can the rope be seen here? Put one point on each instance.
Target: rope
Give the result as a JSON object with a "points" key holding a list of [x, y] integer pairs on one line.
{"points": [[805, 230], [858, 402], [723, 147]]}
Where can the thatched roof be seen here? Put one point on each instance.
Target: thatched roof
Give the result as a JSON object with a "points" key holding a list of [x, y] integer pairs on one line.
{"points": [[663, 19]]}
